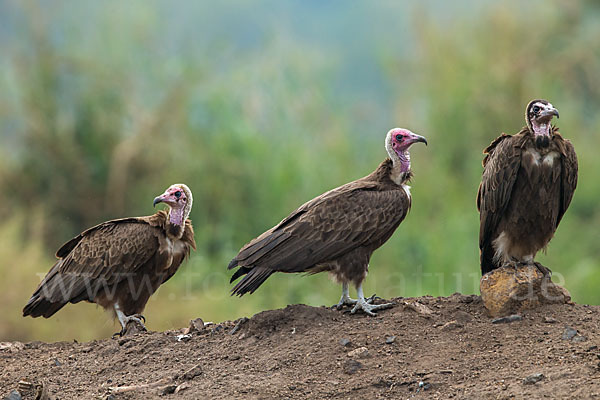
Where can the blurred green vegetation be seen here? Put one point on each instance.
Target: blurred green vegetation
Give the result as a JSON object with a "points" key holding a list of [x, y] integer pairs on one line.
{"points": [[258, 107]]}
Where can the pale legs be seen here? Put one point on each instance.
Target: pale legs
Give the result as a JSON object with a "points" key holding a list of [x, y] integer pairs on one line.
{"points": [[361, 303], [125, 319]]}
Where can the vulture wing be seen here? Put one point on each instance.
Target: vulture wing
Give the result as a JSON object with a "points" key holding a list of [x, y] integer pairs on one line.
{"points": [[501, 165], [343, 219], [94, 260], [569, 176]]}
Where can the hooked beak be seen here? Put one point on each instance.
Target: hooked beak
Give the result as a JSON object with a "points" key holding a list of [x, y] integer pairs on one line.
{"points": [[157, 200], [550, 112], [418, 138]]}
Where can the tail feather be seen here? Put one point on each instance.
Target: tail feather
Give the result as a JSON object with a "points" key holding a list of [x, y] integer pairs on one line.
{"points": [[487, 260], [253, 279], [41, 307]]}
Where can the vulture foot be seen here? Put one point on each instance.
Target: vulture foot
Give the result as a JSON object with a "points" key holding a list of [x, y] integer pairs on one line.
{"points": [[351, 302], [544, 270], [370, 308], [366, 306], [344, 301], [137, 321]]}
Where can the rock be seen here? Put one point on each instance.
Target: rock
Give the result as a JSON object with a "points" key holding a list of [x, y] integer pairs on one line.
{"points": [[507, 320], [183, 338], [133, 327], [569, 333], [533, 379], [167, 389], [418, 307], [549, 320], [509, 290], [181, 387], [462, 316], [14, 395], [193, 372], [448, 326], [12, 346], [351, 366], [361, 352], [196, 326], [579, 339], [390, 339], [345, 342]]}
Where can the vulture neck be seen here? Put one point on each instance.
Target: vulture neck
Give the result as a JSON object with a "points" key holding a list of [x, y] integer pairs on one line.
{"points": [[400, 172], [541, 128], [176, 223], [542, 133]]}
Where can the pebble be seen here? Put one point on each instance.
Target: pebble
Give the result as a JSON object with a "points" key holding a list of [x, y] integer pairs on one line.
{"points": [[390, 339], [361, 352], [351, 366], [451, 325], [196, 325], [569, 333], [14, 395], [507, 320], [550, 320], [193, 372], [345, 342], [183, 338], [533, 379]]}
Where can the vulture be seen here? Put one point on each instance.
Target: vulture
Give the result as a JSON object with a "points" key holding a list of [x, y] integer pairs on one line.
{"points": [[119, 264], [527, 185], [337, 231]]}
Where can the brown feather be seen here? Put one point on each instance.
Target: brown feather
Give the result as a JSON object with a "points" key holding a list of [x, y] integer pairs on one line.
{"points": [[522, 195], [123, 260], [336, 231]]}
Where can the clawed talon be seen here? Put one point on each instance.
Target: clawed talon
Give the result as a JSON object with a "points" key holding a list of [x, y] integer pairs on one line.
{"points": [[344, 302], [544, 270], [140, 317], [365, 304], [370, 308]]}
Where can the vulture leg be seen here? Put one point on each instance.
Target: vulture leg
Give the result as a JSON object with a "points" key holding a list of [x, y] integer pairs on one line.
{"points": [[345, 300], [125, 319], [363, 304]]}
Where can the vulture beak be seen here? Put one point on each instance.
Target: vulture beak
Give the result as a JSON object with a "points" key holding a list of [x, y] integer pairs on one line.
{"points": [[550, 112], [157, 200], [418, 138]]}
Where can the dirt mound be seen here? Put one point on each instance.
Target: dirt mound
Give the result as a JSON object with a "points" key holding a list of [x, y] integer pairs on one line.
{"points": [[423, 348]]}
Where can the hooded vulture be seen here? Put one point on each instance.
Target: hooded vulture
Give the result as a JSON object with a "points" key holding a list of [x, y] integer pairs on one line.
{"points": [[337, 231], [528, 182], [119, 264]]}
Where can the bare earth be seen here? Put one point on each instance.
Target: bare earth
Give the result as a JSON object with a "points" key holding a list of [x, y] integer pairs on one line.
{"points": [[422, 348]]}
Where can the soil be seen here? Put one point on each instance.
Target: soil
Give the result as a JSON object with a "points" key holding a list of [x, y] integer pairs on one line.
{"points": [[422, 348]]}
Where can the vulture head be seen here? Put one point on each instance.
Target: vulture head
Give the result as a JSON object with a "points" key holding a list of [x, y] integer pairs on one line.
{"points": [[538, 115], [398, 141], [179, 199]]}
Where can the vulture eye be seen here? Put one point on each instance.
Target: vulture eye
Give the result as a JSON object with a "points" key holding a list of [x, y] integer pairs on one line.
{"points": [[399, 138], [536, 109], [178, 194]]}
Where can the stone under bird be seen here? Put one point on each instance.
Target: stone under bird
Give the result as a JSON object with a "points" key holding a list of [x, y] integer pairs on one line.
{"points": [[119, 264], [337, 231], [527, 185]]}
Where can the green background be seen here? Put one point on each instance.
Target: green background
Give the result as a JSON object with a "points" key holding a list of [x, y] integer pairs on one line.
{"points": [[261, 105]]}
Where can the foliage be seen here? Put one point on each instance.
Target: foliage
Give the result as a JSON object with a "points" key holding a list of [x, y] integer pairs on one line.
{"points": [[104, 106]]}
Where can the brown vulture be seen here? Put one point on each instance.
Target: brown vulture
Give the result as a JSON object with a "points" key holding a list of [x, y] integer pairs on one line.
{"points": [[119, 264], [528, 182], [336, 231]]}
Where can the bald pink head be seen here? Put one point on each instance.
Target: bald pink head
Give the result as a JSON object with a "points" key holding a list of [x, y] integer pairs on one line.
{"points": [[398, 140]]}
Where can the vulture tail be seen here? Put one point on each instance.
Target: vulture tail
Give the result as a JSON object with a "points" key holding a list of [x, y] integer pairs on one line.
{"points": [[487, 260], [41, 307], [253, 279]]}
